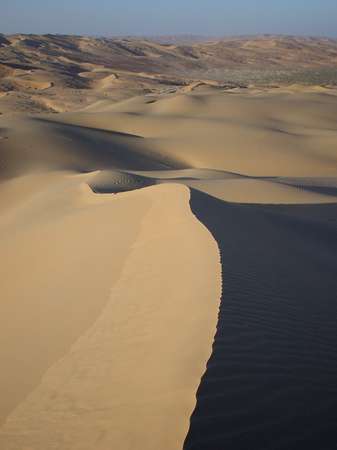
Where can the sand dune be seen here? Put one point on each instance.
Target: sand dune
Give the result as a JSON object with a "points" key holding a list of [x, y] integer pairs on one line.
{"points": [[270, 381], [225, 186], [109, 303], [89, 346], [242, 147], [74, 67]]}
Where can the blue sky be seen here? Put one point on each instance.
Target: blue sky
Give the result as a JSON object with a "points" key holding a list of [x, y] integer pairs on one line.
{"points": [[212, 17]]}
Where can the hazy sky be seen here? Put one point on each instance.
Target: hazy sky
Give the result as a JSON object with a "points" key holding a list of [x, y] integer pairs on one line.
{"points": [[211, 17]]}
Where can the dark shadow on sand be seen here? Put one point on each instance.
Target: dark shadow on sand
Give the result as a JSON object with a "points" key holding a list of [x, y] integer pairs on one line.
{"points": [[271, 382]]}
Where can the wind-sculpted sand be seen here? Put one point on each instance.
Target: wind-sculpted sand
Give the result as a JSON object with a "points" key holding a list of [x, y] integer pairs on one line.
{"points": [[112, 278], [109, 307]]}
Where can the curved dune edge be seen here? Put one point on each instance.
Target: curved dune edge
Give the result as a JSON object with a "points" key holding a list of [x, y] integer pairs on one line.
{"points": [[234, 188], [130, 379]]}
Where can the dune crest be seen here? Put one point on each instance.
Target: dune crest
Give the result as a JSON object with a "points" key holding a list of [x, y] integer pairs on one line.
{"points": [[136, 362], [109, 303]]}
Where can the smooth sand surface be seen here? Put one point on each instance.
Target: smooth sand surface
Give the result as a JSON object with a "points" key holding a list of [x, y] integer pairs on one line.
{"points": [[268, 146], [109, 303], [109, 307]]}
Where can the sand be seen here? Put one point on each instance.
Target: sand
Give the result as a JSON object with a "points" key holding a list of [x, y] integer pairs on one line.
{"points": [[88, 320], [111, 283], [59, 73], [270, 381], [275, 146]]}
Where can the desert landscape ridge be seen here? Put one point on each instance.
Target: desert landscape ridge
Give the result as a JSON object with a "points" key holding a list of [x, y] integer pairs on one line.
{"points": [[168, 236], [107, 371]]}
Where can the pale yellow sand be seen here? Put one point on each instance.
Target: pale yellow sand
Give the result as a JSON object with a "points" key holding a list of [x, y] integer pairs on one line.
{"points": [[109, 302], [269, 134], [109, 307], [279, 133]]}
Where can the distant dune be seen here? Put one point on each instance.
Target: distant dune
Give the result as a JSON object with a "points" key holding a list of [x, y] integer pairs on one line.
{"points": [[61, 73]]}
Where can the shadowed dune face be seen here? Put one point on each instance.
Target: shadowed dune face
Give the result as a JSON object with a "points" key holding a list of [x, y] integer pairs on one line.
{"points": [[35, 144], [110, 302], [273, 146], [276, 146], [270, 382], [278, 133]]}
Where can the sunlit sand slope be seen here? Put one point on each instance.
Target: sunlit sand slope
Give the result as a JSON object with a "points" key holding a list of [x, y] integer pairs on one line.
{"points": [[109, 302], [108, 312], [262, 146]]}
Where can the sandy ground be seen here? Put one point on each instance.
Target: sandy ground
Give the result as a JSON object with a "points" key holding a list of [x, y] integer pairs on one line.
{"points": [[271, 379], [109, 307], [109, 303]]}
